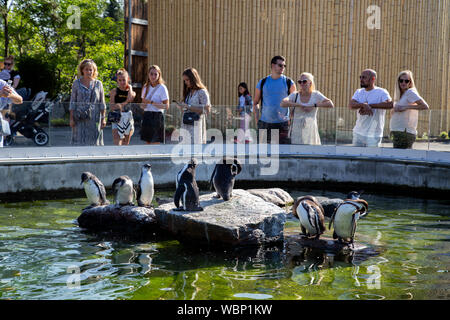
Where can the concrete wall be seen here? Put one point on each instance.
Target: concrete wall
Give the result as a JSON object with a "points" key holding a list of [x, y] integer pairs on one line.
{"points": [[295, 167]]}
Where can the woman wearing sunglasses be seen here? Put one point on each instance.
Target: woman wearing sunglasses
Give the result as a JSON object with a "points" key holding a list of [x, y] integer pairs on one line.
{"points": [[304, 104], [405, 114]]}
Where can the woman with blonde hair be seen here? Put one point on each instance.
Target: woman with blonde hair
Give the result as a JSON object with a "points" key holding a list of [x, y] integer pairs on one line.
{"points": [[87, 106], [120, 98], [155, 99], [405, 114], [196, 104], [305, 103]]}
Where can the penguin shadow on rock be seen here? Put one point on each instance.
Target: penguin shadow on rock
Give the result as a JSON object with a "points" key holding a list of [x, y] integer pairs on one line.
{"points": [[223, 177], [187, 189], [94, 189], [346, 215]]}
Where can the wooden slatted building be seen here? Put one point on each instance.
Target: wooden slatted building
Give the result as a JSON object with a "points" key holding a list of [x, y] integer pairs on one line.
{"points": [[230, 41]]}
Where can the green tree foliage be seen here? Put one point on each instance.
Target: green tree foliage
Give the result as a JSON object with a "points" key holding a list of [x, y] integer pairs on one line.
{"points": [[47, 31]]}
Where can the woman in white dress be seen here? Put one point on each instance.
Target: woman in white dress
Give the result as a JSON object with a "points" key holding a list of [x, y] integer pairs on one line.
{"points": [[196, 99], [405, 114], [304, 104]]}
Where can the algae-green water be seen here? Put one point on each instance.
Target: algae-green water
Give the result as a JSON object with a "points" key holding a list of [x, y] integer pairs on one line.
{"points": [[45, 255]]}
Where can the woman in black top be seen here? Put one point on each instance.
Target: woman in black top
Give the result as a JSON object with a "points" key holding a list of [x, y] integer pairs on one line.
{"points": [[120, 97]]}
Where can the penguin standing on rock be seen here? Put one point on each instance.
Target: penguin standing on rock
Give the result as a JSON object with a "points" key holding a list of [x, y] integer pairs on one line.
{"points": [[187, 189], [94, 188], [223, 177], [145, 187], [311, 215], [123, 191], [346, 216]]}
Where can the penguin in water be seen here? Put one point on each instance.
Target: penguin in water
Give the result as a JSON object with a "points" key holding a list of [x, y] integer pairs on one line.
{"points": [[123, 191], [223, 177], [311, 215], [187, 189], [94, 188], [145, 187], [346, 216]]}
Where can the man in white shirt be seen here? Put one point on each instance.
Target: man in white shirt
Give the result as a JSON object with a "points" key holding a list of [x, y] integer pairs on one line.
{"points": [[371, 103]]}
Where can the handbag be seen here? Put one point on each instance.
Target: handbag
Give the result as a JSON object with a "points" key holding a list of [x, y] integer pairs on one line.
{"points": [[114, 116], [190, 117], [82, 113], [5, 130]]}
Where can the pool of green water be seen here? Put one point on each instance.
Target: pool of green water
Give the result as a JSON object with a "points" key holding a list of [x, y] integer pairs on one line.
{"points": [[45, 255]]}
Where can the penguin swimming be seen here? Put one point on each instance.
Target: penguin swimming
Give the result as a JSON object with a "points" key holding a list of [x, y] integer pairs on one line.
{"points": [[223, 177], [346, 216], [145, 187], [311, 215], [123, 191], [187, 189], [94, 188]]}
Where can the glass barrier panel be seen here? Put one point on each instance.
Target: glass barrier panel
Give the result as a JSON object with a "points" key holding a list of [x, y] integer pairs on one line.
{"points": [[439, 131], [47, 123]]}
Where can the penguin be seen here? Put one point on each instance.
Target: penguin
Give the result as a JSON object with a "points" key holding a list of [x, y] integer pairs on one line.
{"points": [[223, 176], [94, 188], [311, 215], [187, 190], [145, 187], [346, 216], [123, 191]]}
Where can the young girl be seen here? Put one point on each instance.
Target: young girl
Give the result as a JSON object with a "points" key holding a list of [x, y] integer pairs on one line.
{"points": [[120, 98], [245, 110], [155, 100]]}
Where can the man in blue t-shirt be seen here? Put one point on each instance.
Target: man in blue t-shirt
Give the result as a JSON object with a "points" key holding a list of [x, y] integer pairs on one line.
{"points": [[271, 90]]}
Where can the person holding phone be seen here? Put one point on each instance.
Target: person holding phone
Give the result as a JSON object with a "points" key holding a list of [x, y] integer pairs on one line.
{"points": [[195, 106]]}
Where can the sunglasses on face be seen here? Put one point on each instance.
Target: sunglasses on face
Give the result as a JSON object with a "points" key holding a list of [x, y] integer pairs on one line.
{"points": [[281, 65], [7, 64], [302, 81], [403, 80]]}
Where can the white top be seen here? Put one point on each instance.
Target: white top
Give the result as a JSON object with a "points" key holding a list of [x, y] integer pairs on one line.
{"points": [[160, 94], [304, 129], [406, 120], [371, 126]]}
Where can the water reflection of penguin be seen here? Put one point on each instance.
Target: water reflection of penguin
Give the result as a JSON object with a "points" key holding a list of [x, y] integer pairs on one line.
{"points": [[223, 177], [94, 189], [145, 187], [123, 191], [346, 216], [311, 215], [187, 189]]}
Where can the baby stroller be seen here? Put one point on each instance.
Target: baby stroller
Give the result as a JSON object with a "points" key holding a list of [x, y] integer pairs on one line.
{"points": [[27, 117]]}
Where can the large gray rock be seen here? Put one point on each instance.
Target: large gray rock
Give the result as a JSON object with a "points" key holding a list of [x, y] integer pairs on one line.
{"points": [[276, 196], [245, 220], [127, 219]]}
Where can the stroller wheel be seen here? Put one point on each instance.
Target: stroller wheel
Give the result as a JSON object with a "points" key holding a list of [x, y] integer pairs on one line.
{"points": [[9, 140], [41, 138]]}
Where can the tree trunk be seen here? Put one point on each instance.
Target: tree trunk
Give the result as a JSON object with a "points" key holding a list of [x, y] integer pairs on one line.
{"points": [[5, 30]]}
